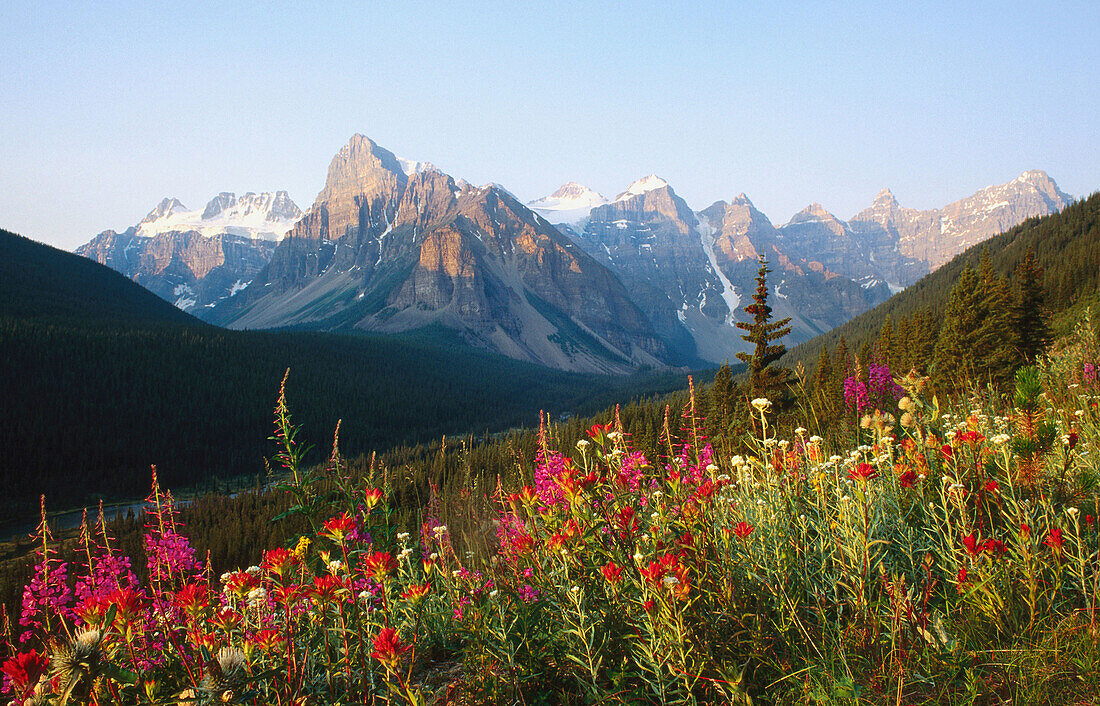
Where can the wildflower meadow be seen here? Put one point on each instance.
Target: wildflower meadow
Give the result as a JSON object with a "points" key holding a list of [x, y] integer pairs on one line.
{"points": [[949, 555]]}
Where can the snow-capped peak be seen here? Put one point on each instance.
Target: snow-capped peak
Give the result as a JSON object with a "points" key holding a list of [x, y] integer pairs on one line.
{"points": [[165, 209], [411, 167], [641, 186], [263, 216], [571, 203]]}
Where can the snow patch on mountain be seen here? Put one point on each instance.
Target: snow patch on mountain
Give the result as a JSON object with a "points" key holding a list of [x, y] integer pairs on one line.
{"points": [[263, 216], [571, 203], [641, 186], [411, 167], [729, 292]]}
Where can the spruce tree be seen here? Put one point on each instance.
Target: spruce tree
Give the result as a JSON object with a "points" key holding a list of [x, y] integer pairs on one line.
{"points": [[1033, 333], [954, 350], [761, 332], [995, 343], [823, 387], [722, 392]]}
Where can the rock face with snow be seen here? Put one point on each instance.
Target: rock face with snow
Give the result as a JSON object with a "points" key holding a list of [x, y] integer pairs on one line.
{"points": [[935, 236], [689, 271], [195, 259], [571, 204], [391, 247]]}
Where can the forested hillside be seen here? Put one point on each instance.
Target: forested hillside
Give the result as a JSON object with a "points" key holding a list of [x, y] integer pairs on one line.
{"points": [[41, 282], [1066, 247], [101, 379]]}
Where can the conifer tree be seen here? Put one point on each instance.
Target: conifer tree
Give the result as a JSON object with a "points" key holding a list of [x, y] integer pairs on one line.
{"points": [[822, 390], [954, 361], [762, 332], [721, 399], [886, 348], [995, 341], [1032, 330]]}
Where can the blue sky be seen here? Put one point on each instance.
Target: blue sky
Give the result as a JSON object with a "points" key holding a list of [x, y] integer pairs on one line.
{"points": [[105, 108]]}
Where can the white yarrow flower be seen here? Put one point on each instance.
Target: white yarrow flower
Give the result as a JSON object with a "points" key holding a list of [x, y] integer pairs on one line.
{"points": [[762, 404]]}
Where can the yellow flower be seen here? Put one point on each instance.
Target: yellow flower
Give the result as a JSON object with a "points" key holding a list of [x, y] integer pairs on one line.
{"points": [[302, 547]]}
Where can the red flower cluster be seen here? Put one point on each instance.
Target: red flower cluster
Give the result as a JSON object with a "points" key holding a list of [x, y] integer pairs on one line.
{"points": [[379, 565], [974, 547], [863, 473], [388, 647], [339, 528], [24, 670], [278, 561]]}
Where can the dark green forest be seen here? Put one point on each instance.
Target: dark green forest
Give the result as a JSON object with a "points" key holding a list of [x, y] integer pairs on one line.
{"points": [[101, 379]]}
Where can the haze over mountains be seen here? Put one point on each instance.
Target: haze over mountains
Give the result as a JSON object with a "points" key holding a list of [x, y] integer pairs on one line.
{"points": [[572, 280]]}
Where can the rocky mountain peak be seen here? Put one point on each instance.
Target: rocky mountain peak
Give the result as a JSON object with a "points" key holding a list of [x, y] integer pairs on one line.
{"points": [[165, 208], [813, 212], [885, 198], [641, 186], [218, 204], [1041, 181], [282, 207], [362, 166]]}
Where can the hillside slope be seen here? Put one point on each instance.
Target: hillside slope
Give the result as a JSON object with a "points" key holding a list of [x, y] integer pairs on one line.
{"points": [[41, 282], [1067, 245], [102, 378]]}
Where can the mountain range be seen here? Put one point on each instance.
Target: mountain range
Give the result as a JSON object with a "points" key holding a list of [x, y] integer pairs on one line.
{"points": [[572, 280], [195, 259]]}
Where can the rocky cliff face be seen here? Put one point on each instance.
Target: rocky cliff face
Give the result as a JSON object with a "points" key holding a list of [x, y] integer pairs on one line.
{"points": [[696, 266], [933, 237], [689, 271], [197, 258], [390, 251]]}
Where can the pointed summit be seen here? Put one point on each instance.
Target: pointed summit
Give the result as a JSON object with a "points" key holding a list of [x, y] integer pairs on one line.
{"points": [[641, 186], [571, 203], [885, 198], [813, 212], [362, 166], [219, 203], [164, 209]]}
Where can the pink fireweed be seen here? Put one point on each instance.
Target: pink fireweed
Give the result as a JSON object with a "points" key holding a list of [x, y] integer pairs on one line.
{"points": [[631, 471], [47, 595]]}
